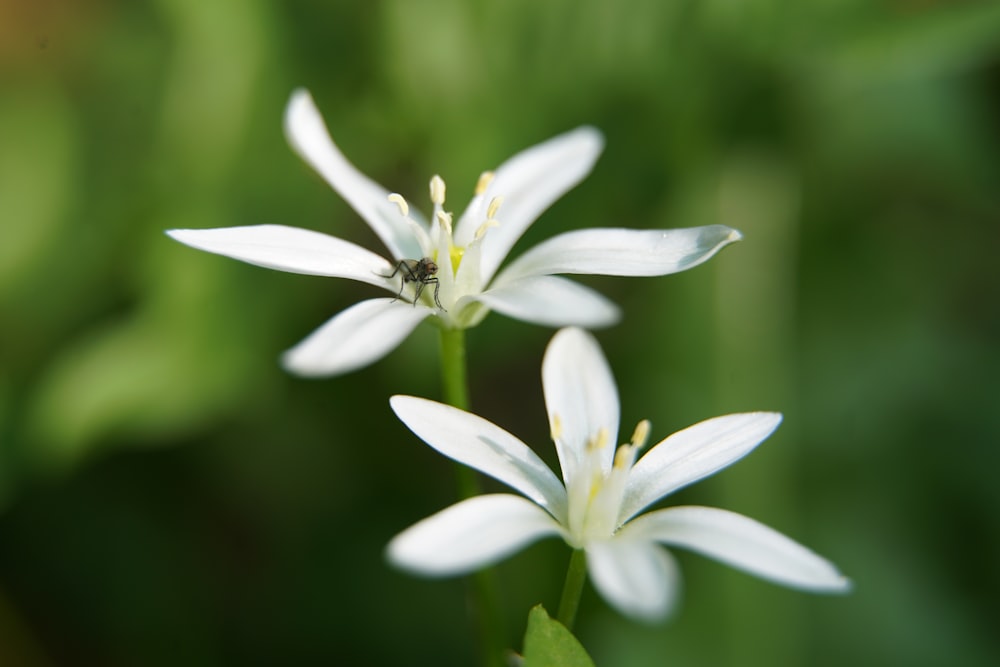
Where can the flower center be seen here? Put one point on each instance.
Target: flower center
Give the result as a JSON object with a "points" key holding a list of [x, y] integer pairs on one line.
{"points": [[596, 492], [441, 235], [458, 264]]}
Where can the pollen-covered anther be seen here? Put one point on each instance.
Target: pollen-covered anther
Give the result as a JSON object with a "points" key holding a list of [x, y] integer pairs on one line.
{"points": [[494, 206], [641, 434], [625, 456], [437, 190], [484, 181], [398, 200]]}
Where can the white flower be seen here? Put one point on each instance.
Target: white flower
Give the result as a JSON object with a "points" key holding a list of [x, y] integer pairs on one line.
{"points": [[467, 255], [602, 490]]}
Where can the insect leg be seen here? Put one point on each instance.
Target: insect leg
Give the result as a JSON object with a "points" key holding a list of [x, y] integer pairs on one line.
{"points": [[417, 293], [399, 266], [437, 290], [402, 283]]}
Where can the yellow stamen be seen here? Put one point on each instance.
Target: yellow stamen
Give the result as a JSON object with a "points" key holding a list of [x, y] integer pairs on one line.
{"points": [[437, 190], [484, 182], [398, 200], [483, 228], [625, 456], [641, 433], [495, 203], [600, 440], [445, 220]]}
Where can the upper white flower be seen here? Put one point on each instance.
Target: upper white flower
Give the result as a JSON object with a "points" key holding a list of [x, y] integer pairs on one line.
{"points": [[467, 254], [602, 490]]}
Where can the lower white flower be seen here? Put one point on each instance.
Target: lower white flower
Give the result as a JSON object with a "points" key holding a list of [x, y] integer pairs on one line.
{"points": [[602, 490], [461, 279]]}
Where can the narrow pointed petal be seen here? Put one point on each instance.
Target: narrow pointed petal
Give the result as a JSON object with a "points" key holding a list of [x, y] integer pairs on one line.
{"points": [[692, 454], [742, 543], [290, 249], [621, 252], [638, 578], [480, 444], [354, 338], [552, 301], [308, 136], [581, 397], [529, 183], [469, 535]]}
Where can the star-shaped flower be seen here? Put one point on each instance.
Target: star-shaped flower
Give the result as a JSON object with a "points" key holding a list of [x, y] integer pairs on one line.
{"points": [[454, 268], [602, 491]]}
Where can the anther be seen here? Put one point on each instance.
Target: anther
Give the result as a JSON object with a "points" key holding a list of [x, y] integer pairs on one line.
{"points": [[445, 220], [398, 200], [641, 433], [484, 182], [483, 228], [495, 203], [625, 456], [437, 190], [600, 439]]}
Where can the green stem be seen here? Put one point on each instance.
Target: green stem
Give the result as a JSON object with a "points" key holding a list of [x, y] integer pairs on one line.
{"points": [[455, 384], [454, 378], [453, 371], [576, 574]]}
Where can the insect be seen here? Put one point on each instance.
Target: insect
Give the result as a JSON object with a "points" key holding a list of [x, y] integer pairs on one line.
{"points": [[420, 271]]}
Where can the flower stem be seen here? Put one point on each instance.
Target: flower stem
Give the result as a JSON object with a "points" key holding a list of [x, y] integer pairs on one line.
{"points": [[453, 371], [576, 574], [454, 378]]}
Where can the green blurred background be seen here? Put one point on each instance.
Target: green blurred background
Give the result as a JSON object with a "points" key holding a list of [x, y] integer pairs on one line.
{"points": [[169, 496]]}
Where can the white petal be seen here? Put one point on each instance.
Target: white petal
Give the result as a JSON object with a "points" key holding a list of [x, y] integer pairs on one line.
{"points": [[470, 535], [692, 454], [740, 542], [552, 301], [482, 445], [638, 578], [290, 249], [621, 252], [353, 338], [580, 396], [309, 138], [529, 183]]}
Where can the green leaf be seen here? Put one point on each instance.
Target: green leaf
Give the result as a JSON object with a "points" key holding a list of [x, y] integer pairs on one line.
{"points": [[547, 643]]}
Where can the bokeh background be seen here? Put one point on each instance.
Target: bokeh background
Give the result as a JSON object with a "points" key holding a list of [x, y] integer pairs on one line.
{"points": [[169, 496]]}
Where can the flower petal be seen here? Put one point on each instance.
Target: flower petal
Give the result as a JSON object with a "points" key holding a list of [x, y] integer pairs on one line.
{"points": [[354, 338], [552, 301], [621, 252], [638, 578], [529, 183], [470, 535], [692, 454], [290, 249], [581, 398], [740, 542], [482, 445], [309, 137]]}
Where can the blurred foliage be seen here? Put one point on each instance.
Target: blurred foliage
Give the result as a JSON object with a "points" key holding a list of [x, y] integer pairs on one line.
{"points": [[170, 497]]}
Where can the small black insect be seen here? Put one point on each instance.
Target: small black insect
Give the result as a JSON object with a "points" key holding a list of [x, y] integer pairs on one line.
{"points": [[420, 271]]}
